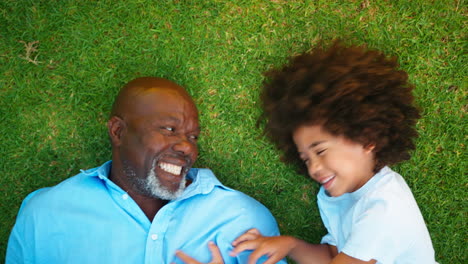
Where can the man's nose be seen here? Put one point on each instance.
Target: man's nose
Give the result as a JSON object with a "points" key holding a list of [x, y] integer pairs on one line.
{"points": [[184, 146]]}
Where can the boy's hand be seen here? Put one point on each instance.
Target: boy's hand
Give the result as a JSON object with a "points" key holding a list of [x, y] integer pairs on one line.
{"points": [[216, 257], [276, 248]]}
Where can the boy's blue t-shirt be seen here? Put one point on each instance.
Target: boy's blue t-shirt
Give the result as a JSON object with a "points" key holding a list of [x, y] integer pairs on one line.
{"points": [[380, 221]]}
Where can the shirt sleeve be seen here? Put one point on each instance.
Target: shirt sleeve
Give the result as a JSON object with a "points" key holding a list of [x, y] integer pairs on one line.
{"points": [[19, 246], [252, 216], [14, 253]]}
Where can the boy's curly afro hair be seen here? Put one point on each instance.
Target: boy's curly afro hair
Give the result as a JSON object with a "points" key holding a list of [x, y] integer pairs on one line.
{"points": [[349, 90]]}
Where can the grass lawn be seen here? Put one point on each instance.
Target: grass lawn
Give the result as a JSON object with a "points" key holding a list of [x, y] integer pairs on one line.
{"points": [[62, 63]]}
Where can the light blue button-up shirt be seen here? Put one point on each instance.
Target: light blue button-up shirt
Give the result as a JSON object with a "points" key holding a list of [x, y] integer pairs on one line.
{"points": [[89, 219]]}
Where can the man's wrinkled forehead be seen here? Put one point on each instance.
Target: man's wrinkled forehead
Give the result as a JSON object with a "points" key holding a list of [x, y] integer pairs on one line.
{"points": [[147, 91], [160, 100]]}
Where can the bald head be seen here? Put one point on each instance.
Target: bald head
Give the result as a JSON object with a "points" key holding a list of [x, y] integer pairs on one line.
{"points": [[130, 95], [153, 129]]}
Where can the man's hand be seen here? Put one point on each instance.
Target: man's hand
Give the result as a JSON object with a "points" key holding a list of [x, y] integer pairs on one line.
{"points": [[216, 257], [276, 248]]}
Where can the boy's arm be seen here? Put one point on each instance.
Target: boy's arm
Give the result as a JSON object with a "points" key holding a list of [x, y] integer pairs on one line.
{"points": [[342, 258], [305, 253], [278, 247]]}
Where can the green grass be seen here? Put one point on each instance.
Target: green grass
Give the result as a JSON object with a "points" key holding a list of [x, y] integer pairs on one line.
{"points": [[54, 103]]}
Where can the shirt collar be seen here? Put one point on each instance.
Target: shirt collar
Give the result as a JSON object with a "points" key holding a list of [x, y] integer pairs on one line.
{"points": [[203, 180], [356, 195], [102, 172]]}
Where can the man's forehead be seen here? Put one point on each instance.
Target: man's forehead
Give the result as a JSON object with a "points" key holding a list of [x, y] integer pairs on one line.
{"points": [[168, 104], [150, 96]]}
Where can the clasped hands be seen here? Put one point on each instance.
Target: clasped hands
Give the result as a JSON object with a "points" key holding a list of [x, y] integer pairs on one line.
{"points": [[275, 248]]}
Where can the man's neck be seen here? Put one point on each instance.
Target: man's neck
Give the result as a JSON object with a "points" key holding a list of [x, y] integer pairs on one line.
{"points": [[149, 205]]}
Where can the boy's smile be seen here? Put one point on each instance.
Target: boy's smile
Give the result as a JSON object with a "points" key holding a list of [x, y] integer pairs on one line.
{"points": [[338, 164]]}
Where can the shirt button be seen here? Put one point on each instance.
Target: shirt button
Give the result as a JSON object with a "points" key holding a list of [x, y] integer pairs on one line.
{"points": [[125, 196], [154, 236]]}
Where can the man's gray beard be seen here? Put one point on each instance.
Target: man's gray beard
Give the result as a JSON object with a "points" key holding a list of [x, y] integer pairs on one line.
{"points": [[151, 185], [157, 190]]}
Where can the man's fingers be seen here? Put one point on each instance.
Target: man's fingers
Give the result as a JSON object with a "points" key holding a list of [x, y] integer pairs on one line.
{"points": [[186, 258], [216, 256]]}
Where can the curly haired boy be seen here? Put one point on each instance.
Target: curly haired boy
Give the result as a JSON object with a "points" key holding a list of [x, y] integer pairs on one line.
{"points": [[344, 114]]}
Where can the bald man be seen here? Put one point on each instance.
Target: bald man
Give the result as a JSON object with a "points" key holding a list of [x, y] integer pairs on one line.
{"points": [[148, 202]]}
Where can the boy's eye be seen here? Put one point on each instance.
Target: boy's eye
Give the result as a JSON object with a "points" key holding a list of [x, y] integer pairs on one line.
{"points": [[321, 152]]}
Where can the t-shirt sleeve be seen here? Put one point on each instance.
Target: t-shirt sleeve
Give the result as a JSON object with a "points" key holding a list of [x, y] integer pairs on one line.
{"points": [[377, 234], [328, 238]]}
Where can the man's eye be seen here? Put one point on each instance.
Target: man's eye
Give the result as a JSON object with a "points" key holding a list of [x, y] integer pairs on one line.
{"points": [[194, 137], [321, 152], [168, 128]]}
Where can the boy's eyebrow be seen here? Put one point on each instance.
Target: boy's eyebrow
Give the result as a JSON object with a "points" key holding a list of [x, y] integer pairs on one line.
{"points": [[314, 144]]}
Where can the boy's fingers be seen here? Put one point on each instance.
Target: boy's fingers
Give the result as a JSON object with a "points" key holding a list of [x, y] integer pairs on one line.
{"points": [[251, 234], [243, 238], [253, 231], [216, 256], [272, 260], [255, 255], [247, 245]]}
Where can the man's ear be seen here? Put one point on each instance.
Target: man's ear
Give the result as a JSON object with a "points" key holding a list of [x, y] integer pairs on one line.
{"points": [[115, 128]]}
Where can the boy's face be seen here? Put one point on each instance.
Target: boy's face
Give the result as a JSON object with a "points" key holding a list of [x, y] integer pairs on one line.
{"points": [[338, 164]]}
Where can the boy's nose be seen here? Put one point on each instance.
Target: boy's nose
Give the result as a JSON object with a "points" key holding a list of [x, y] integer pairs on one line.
{"points": [[314, 169]]}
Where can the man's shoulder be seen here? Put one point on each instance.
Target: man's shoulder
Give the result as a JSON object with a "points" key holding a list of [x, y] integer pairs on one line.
{"points": [[231, 211], [216, 193], [81, 185], [222, 193]]}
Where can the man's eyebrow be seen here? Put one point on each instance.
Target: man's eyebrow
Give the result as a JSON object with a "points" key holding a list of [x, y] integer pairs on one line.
{"points": [[170, 118]]}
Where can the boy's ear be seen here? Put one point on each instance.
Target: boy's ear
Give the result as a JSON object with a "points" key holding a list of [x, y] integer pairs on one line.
{"points": [[369, 147], [115, 128]]}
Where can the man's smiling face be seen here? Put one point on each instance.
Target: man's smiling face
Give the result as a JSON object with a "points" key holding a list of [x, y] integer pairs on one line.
{"points": [[159, 141]]}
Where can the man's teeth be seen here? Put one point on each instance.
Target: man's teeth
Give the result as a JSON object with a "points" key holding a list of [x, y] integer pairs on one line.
{"points": [[171, 168], [327, 179]]}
